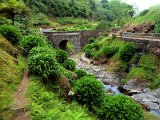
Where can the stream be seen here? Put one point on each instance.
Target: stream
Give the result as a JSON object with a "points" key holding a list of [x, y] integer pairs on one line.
{"points": [[142, 95]]}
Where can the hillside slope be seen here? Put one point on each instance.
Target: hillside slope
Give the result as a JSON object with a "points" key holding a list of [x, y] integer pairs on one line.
{"points": [[146, 21], [10, 76]]}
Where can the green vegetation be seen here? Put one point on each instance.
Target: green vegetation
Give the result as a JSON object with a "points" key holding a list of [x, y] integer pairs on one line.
{"points": [[13, 8], [80, 73], [128, 51], [46, 104], [69, 64], [150, 116], [55, 81], [149, 15], [119, 55], [119, 107], [109, 51], [10, 75], [89, 90], [43, 50], [70, 46], [11, 33], [61, 56], [72, 14], [102, 47], [30, 41], [147, 69], [43, 65], [146, 18]]}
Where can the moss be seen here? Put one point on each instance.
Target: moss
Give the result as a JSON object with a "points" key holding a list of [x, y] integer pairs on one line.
{"points": [[10, 76], [7, 46]]}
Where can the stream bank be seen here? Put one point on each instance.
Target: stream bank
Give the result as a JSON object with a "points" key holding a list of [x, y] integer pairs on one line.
{"points": [[150, 99]]}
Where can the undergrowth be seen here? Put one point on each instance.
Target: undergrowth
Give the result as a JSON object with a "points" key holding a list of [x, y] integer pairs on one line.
{"points": [[47, 105]]}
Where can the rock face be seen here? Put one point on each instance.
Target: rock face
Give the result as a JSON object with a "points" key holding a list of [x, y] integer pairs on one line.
{"points": [[151, 99], [145, 28]]}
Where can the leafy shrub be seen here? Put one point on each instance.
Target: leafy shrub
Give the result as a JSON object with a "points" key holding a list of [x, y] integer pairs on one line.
{"points": [[97, 55], [89, 53], [30, 41], [43, 65], [47, 105], [61, 56], [148, 62], [155, 83], [88, 46], [11, 33], [137, 73], [69, 65], [3, 21], [89, 90], [109, 51], [128, 51], [70, 77], [96, 46], [80, 73], [91, 40], [101, 38], [39, 19], [38, 50], [70, 46], [104, 25], [119, 107]]}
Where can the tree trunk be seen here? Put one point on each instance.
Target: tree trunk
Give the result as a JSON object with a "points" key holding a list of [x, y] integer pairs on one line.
{"points": [[12, 18]]}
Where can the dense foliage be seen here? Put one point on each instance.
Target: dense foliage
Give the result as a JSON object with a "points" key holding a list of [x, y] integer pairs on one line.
{"points": [[127, 52], [44, 50], [109, 51], [80, 73], [45, 104], [61, 56], [89, 90], [69, 64], [11, 33], [120, 107], [89, 53], [44, 65], [30, 41], [93, 9], [13, 8]]}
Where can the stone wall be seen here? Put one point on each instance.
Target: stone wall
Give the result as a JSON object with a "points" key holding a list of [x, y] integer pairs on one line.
{"points": [[153, 46], [78, 38]]}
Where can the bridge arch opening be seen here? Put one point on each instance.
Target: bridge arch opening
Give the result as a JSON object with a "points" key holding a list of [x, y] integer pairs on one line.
{"points": [[67, 45], [63, 45]]}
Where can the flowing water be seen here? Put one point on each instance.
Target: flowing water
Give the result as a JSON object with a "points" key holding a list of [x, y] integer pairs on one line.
{"points": [[111, 82]]}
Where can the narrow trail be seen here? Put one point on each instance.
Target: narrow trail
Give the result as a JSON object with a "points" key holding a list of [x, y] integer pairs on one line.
{"points": [[20, 99]]}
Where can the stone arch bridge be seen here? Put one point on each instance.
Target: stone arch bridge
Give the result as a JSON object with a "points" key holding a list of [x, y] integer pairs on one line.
{"points": [[152, 40], [78, 38]]}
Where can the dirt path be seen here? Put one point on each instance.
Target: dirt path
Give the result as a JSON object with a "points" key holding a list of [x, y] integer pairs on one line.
{"points": [[20, 99]]}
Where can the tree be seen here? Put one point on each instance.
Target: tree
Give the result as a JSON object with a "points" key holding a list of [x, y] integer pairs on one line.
{"points": [[104, 3], [11, 8]]}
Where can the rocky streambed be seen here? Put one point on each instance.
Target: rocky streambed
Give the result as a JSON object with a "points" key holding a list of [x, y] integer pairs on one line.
{"points": [[150, 99]]}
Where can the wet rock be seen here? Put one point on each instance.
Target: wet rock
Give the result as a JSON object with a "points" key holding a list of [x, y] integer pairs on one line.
{"points": [[151, 105], [122, 89], [131, 92]]}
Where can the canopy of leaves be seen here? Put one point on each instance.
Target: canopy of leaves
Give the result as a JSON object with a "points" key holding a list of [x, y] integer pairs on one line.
{"points": [[11, 8]]}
